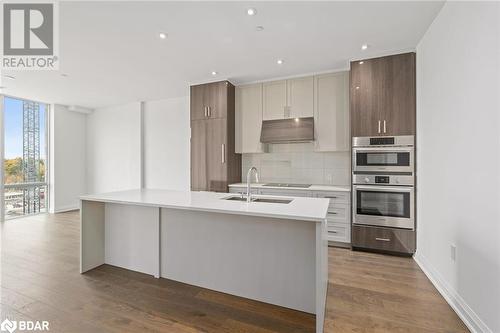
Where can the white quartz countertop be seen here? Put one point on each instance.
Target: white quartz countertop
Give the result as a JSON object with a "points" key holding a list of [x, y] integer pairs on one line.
{"points": [[330, 188], [306, 209]]}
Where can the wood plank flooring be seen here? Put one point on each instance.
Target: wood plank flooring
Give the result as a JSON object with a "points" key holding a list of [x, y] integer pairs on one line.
{"points": [[40, 281]]}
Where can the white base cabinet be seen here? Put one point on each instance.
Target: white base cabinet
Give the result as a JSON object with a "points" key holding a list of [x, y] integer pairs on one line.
{"points": [[339, 212]]}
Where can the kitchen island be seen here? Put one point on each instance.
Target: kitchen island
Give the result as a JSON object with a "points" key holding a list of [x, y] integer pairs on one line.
{"points": [[272, 250]]}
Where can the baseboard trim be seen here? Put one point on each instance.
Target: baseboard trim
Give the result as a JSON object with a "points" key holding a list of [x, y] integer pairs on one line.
{"points": [[65, 209], [458, 304]]}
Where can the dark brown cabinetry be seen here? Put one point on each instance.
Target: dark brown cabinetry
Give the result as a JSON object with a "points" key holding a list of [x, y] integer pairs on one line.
{"points": [[214, 163], [384, 239], [382, 96], [209, 101]]}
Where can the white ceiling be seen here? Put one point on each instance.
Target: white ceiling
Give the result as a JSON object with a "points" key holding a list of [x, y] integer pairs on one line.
{"points": [[112, 53]]}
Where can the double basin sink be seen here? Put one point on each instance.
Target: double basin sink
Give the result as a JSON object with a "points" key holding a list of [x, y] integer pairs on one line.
{"points": [[263, 200]]}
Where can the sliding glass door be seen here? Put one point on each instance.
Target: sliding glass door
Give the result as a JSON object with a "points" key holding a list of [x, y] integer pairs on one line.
{"points": [[25, 157]]}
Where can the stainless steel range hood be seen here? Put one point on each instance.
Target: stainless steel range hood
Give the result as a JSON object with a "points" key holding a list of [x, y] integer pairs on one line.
{"points": [[287, 130]]}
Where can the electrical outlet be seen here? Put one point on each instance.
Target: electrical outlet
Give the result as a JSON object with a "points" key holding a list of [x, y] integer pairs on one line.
{"points": [[329, 178], [453, 252]]}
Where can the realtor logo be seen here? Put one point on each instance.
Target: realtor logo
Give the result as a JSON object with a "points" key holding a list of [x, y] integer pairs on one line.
{"points": [[29, 36]]}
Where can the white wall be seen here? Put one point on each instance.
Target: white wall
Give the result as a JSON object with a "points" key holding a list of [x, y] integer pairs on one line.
{"points": [[124, 154], [114, 148], [458, 159], [67, 158], [166, 144]]}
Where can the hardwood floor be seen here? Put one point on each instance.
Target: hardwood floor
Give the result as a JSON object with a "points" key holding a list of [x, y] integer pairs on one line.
{"points": [[40, 281]]}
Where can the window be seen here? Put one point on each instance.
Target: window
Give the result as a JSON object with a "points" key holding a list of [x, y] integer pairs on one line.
{"points": [[25, 157]]}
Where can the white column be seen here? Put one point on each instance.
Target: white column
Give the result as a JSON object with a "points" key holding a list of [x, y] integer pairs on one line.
{"points": [[2, 193]]}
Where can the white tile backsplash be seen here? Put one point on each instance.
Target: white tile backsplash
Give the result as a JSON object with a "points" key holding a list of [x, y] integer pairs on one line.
{"points": [[298, 163]]}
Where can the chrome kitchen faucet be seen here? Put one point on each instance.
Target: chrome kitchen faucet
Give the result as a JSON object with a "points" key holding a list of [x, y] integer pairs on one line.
{"points": [[249, 175]]}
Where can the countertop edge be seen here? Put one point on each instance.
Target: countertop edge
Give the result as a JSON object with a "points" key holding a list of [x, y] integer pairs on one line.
{"points": [[202, 209], [326, 188]]}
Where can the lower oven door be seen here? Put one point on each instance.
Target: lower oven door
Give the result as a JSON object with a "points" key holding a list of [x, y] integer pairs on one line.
{"points": [[388, 206]]}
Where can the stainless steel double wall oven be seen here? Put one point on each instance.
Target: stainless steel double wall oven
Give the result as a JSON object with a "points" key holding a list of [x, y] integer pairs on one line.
{"points": [[383, 181]]}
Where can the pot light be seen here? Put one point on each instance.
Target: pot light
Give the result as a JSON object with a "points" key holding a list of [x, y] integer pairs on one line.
{"points": [[259, 28], [251, 11], [10, 77], [361, 62], [364, 46], [279, 61], [162, 35], [64, 75], [214, 73]]}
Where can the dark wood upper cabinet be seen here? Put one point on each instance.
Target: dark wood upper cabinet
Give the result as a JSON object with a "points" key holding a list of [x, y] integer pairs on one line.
{"points": [[198, 107], [214, 163], [382, 96], [209, 101]]}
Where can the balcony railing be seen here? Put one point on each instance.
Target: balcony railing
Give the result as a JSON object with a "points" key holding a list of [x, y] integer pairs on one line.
{"points": [[25, 198]]}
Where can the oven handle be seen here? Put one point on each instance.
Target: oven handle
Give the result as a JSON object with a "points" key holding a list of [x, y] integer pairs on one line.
{"points": [[384, 149], [384, 188]]}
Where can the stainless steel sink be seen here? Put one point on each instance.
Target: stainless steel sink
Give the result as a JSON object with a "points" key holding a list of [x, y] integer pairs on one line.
{"points": [[269, 200], [235, 198], [263, 200]]}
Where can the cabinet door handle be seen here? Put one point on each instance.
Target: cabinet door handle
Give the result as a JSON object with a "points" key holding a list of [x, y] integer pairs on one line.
{"points": [[384, 127], [209, 112], [223, 153], [383, 239], [379, 126], [206, 113]]}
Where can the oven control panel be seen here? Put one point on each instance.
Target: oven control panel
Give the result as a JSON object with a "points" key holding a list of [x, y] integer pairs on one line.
{"points": [[383, 179]]}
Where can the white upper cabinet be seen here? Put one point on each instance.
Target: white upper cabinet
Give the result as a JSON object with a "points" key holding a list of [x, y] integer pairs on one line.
{"points": [[326, 97], [274, 99], [331, 112], [248, 118], [301, 97]]}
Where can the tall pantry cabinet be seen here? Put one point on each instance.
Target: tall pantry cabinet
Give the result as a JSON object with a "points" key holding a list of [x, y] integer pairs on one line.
{"points": [[214, 163]]}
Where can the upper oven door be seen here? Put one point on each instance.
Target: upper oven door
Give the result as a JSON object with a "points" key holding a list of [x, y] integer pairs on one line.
{"points": [[388, 206], [386, 159]]}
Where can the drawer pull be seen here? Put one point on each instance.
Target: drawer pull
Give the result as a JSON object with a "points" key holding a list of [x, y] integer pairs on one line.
{"points": [[383, 239], [330, 197], [332, 232], [334, 213]]}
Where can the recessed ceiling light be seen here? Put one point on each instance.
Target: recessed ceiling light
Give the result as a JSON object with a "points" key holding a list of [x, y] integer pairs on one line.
{"points": [[251, 11], [64, 75], [280, 62], [214, 73], [162, 35], [10, 77], [259, 28], [364, 46], [361, 62]]}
